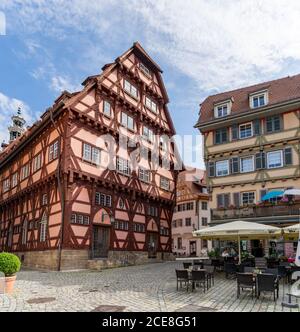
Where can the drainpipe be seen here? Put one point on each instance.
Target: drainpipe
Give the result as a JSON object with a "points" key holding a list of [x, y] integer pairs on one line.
{"points": [[62, 195]]}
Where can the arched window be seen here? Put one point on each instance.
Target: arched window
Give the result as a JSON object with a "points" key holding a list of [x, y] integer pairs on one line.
{"points": [[121, 204], [24, 231], [43, 227]]}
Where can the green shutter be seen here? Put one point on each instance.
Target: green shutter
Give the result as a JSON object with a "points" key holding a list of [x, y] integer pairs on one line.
{"points": [[288, 156]]}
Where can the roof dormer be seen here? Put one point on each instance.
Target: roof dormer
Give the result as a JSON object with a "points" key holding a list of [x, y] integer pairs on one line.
{"points": [[222, 109], [259, 99]]}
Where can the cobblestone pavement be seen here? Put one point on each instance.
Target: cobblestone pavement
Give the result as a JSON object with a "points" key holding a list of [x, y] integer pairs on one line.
{"points": [[140, 288]]}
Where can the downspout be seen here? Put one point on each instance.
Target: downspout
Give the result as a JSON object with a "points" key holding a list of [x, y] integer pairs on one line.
{"points": [[62, 195]]}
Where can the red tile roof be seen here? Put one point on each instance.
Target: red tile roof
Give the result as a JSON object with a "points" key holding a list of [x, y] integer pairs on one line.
{"points": [[280, 90]]}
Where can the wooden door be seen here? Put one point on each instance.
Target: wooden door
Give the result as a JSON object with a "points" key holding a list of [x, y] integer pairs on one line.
{"points": [[152, 245], [101, 239]]}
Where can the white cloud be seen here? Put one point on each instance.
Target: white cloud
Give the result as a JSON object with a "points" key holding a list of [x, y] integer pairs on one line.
{"points": [[8, 108], [2, 24], [59, 84], [218, 44]]}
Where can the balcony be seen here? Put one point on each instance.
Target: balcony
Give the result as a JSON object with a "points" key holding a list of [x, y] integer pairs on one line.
{"points": [[280, 212]]}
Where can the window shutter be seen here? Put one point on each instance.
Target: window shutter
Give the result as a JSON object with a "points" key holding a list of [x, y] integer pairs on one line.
{"points": [[236, 199], [260, 160], [211, 169], [269, 125], [217, 137], [263, 160], [226, 200], [288, 156], [256, 126], [234, 165], [235, 132], [220, 201], [224, 133], [263, 192]]}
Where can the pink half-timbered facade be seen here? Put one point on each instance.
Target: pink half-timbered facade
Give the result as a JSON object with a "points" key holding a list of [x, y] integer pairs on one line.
{"points": [[65, 202]]}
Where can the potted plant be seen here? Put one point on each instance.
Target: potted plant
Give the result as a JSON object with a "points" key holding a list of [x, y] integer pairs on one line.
{"points": [[9, 264]]}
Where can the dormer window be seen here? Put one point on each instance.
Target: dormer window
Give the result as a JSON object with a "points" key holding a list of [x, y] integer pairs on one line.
{"points": [[259, 99], [222, 109], [145, 70]]}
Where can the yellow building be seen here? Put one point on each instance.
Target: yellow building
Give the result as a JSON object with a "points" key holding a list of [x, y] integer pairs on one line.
{"points": [[252, 147]]}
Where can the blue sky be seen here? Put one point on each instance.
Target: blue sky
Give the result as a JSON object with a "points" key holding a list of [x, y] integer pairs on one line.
{"points": [[204, 47]]}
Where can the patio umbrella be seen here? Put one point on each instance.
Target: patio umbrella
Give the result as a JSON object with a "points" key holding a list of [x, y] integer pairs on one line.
{"points": [[292, 192], [237, 231], [273, 194], [292, 232]]}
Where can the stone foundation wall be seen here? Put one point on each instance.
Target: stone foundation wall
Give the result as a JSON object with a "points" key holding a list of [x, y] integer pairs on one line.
{"points": [[48, 259]]}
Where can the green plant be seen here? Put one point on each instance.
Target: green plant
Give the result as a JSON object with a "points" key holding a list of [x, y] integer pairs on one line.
{"points": [[212, 254], [10, 264]]}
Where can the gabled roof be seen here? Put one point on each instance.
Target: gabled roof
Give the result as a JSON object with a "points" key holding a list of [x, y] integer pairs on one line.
{"points": [[279, 91]]}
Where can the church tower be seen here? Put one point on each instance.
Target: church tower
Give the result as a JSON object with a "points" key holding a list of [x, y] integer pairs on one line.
{"points": [[18, 126]]}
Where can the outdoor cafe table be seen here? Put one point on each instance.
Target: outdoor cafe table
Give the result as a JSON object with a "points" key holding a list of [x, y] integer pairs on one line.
{"points": [[190, 275]]}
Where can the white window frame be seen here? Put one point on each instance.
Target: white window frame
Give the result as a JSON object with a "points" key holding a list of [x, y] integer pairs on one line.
{"points": [[281, 157], [258, 95], [151, 105], [91, 154], [222, 162], [145, 69], [131, 89], [121, 204], [107, 109], [6, 185], [241, 164], [53, 150], [25, 172], [248, 192], [165, 183], [148, 134], [123, 166], [14, 180], [43, 228], [222, 106], [37, 162], [244, 125], [127, 121], [144, 175]]}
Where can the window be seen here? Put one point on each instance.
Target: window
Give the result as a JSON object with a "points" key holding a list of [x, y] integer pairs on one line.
{"points": [[24, 232], [222, 168], [107, 108], [144, 175], [139, 228], [80, 219], [6, 185], [179, 243], [174, 224], [274, 159], [153, 211], [44, 199], [127, 121], [204, 206], [164, 183], [163, 143], [247, 164], [121, 225], [145, 70], [148, 134], [258, 100], [43, 228], [102, 199], [37, 162], [121, 204], [222, 110], [248, 198], [53, 151], [223, 201], [221, 136], [185, 207], [25, 172], [123, 166], [188, 222], [131, 89], [164, 231], [14, 180], [204, 221], [273, 124], [151, 105], [246, 130], [91, 154]]}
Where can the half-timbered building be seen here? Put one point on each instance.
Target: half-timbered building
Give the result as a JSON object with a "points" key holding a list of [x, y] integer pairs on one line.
{"points": [[63, 205]]}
